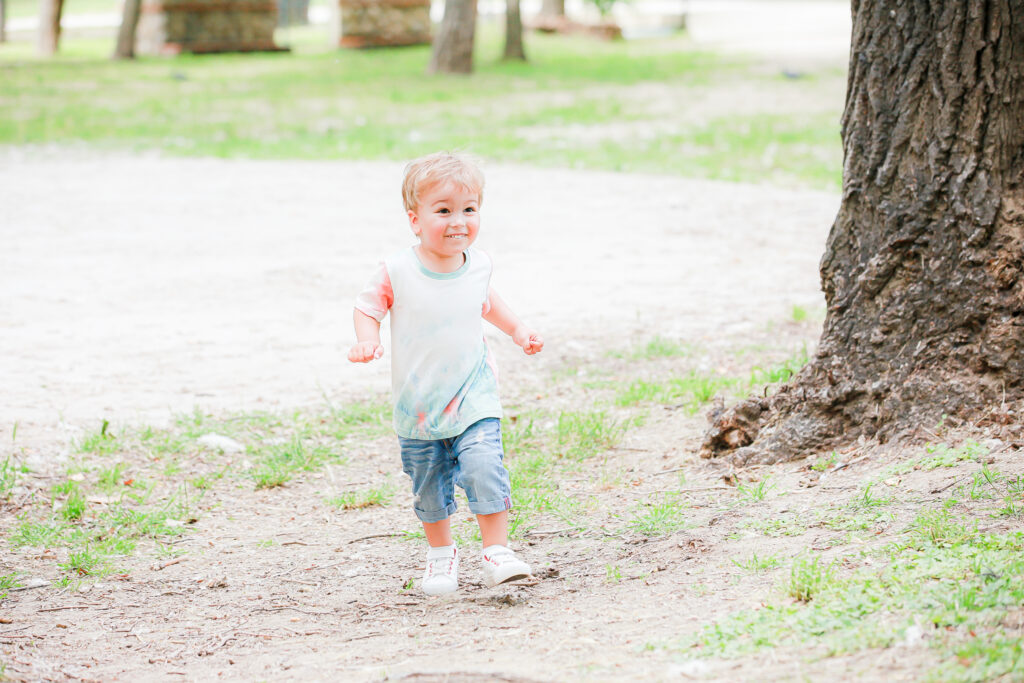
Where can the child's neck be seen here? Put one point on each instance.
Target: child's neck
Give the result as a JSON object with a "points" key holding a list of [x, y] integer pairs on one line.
{"points": [[439, 264]]}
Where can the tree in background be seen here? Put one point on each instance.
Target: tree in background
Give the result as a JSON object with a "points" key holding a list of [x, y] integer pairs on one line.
{"points": [[923, 270], [553, 8], [49, 26], [453, 44], [513, 31], [125, 48], [3, 21]]}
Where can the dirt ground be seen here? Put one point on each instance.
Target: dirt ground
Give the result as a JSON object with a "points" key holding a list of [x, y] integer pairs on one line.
{"points": [[146, 287]]}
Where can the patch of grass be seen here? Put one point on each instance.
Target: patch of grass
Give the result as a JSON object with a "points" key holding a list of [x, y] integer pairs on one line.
{"points": [[102, 442], [691, 391], [582, 435], [779, 373], [941, 455], [958, 583], [36, 534], [939, 528], [825, 462], [381, 105], [660, 347], [75, 505], [798, 314], [112, 478], [612, 574], [84, 562], [779, 526], [9, 581], [9, 473], [754, 493], [810, 577], [866, 499], [354, 500], [987, 657], [758, 564], [279, 463], [661, 516]]}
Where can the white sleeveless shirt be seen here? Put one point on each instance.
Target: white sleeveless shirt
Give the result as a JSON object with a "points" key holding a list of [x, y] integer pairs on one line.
{"points": [[443, 377]]}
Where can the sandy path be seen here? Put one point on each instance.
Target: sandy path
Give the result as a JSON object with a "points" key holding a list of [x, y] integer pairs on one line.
{"points": [[134, 288]]}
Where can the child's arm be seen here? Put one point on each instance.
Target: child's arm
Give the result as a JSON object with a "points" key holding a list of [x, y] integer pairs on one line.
{"points": [[367, 346], [372, 305], [501, 316]]}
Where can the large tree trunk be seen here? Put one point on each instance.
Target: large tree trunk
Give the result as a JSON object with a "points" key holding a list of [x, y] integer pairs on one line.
{"points": [[125, 48], [49, 26], [453, 45], [513, 31], [923, 271]]}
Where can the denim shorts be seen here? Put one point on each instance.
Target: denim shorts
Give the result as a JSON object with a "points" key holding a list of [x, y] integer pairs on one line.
{"points": [[472, 460]]}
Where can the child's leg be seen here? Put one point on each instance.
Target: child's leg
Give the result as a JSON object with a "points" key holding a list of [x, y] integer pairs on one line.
{"points": [[493, 528], [438, 534]]}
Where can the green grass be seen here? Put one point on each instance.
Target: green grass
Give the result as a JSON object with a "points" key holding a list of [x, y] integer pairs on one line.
{"points": [[810, 577], [578, 103], [354, 500], [661, 516], [154, 492], [940, 455], [9, 581], [755, 493], [943, 579], [9, 474], [582, 435], [758, 564]]}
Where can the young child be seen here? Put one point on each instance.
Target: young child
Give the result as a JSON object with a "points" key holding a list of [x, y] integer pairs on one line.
{"points": [[444, 380]]}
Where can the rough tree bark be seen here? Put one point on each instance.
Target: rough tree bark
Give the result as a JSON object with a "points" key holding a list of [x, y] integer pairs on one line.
{"points": [[514, 32], [923, 271], [49, 26], [453, 44], [125, 48]]}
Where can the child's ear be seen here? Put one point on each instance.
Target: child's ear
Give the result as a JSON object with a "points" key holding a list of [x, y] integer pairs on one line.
{"points": [[414, 222]]}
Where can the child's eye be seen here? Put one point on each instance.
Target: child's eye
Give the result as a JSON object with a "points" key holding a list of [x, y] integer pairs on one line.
{"points": [[442, 210], [470, 209]]}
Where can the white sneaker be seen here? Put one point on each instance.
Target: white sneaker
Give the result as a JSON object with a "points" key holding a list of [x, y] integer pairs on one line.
{"points": [[442, 573], [501, 565]]}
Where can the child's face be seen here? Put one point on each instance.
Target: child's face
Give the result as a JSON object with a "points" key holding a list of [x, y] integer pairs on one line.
{"points": [[447, 221]]}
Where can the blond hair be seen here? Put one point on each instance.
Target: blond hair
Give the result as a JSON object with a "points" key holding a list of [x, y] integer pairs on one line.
{"points": [[441, 167]]}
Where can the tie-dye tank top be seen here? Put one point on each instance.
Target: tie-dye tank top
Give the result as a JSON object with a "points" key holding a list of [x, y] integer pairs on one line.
{"points": [[443, 376]]}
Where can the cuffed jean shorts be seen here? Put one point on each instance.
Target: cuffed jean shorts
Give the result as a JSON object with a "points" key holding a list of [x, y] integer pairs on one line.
{"points": [[472, 460]]}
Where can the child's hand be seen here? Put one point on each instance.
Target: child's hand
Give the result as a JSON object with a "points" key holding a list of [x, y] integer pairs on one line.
{"points": [[364, 352], [528, 339]]}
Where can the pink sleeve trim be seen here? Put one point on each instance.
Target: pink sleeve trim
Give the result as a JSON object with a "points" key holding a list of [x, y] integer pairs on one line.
{"points": [[377, 297]]}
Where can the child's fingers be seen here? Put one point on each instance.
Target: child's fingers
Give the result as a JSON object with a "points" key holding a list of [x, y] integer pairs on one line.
{"points": [[378, 351]]}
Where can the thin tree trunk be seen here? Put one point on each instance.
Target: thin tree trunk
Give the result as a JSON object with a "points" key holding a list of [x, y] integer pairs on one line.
{"points": [[553, 8], [49, 26], [513, 32], [125, 48], [3, 21], [453, 45], [923, 271]]}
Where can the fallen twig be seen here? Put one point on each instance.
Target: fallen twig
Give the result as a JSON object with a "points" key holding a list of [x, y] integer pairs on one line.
{"points": [[946, 487], [846, 464], [89, 606], [674, 469], [167, 564], [367, 538]]}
